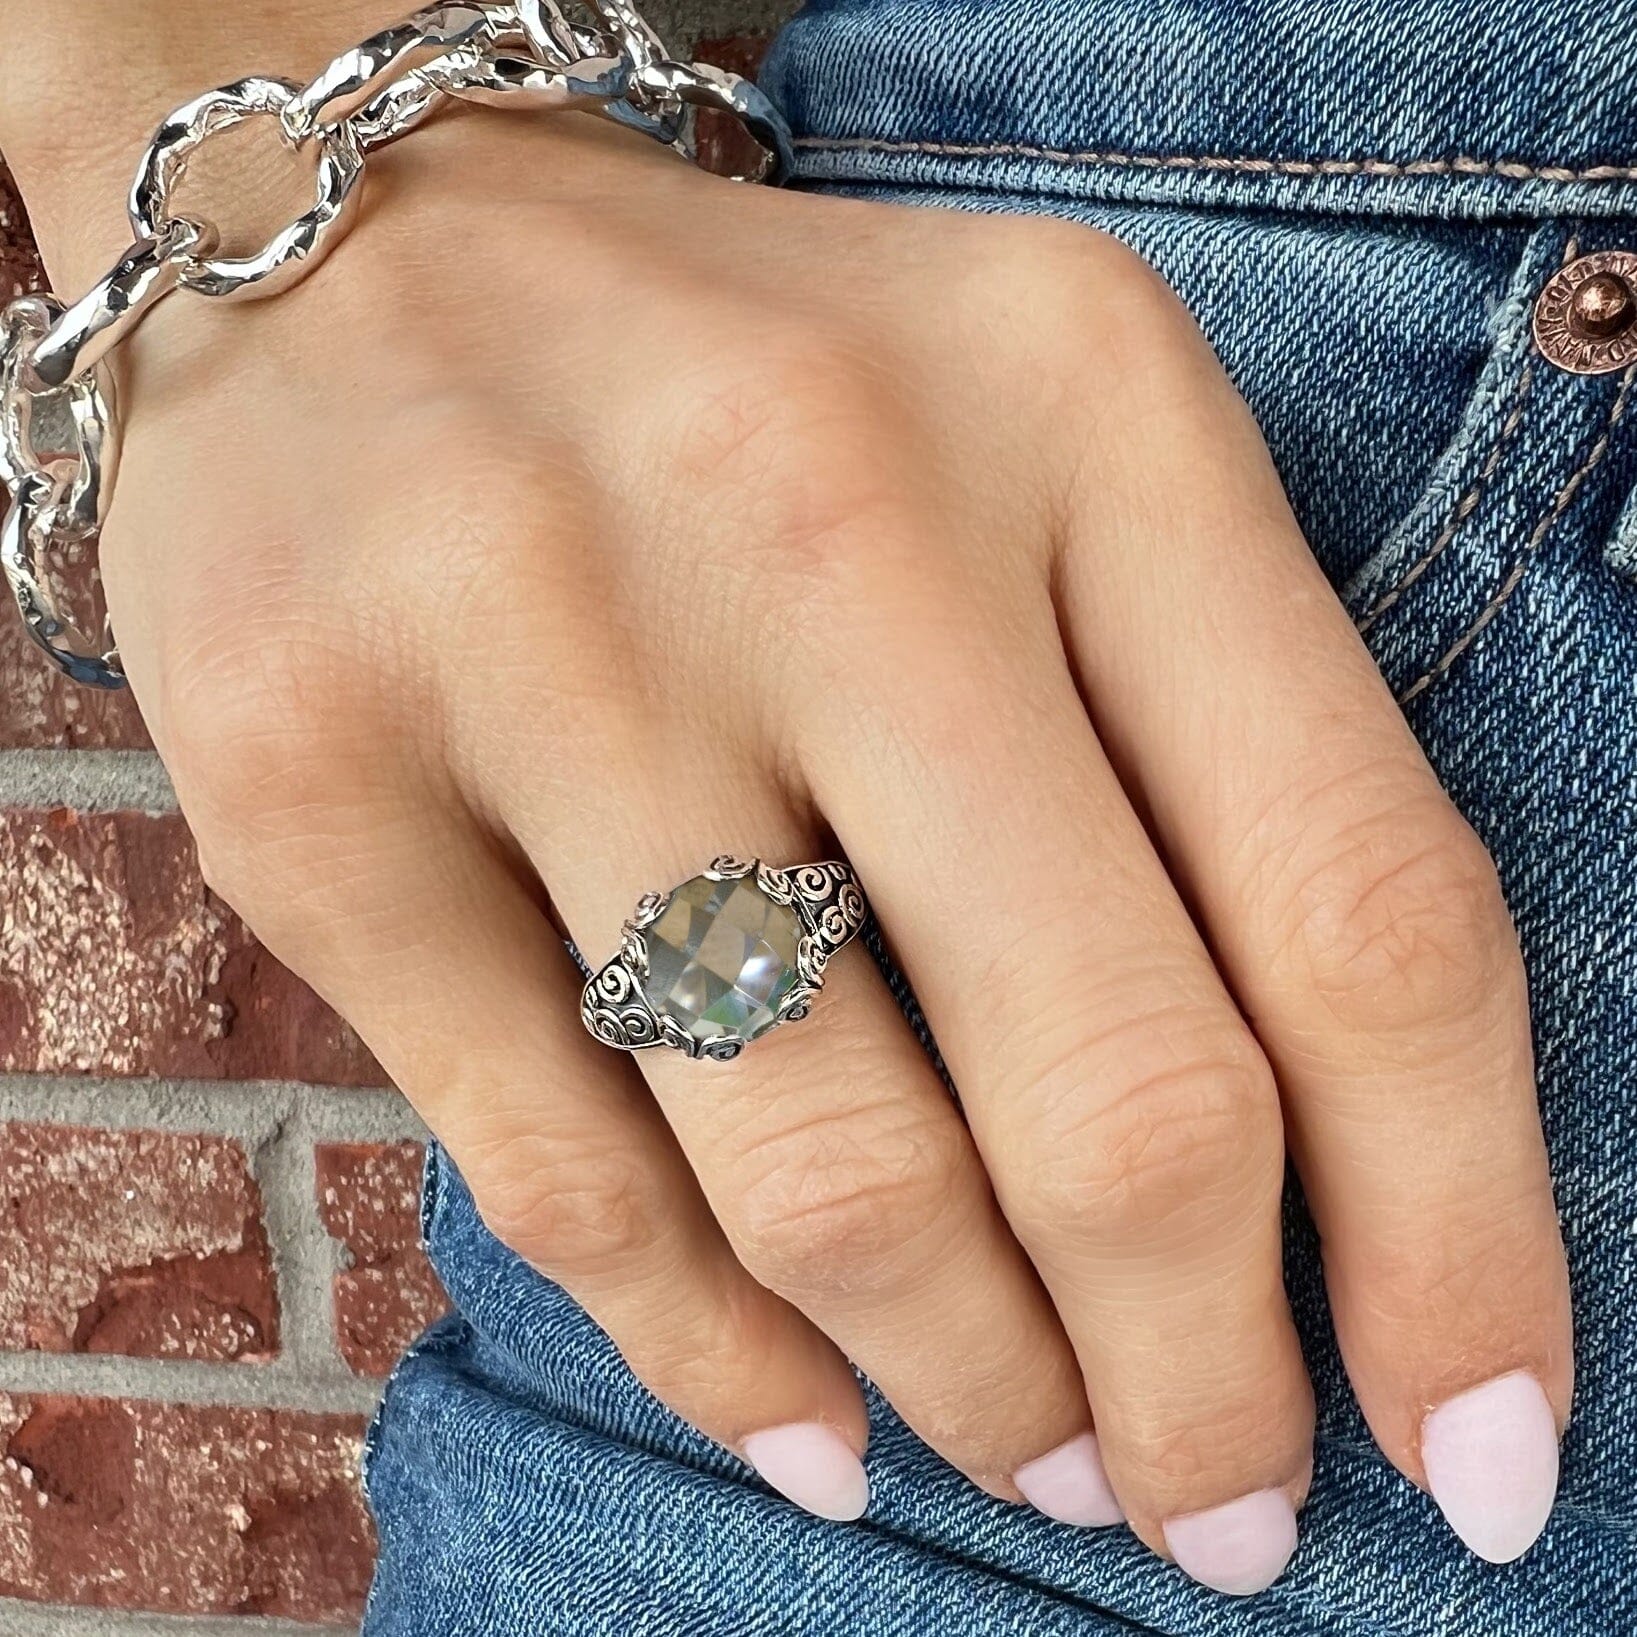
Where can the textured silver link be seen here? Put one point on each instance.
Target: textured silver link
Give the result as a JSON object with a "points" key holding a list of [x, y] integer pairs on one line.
{"points": [[703, 85], [69, 435], [550, 34], [634, 34], [396, 112], [115, 305], [58, 451], [358, 77], [293, 252], [27, 536], [59, 428], [506, 80]]}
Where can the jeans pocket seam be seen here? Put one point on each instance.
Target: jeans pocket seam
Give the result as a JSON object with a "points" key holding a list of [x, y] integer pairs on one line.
{"points": [[1530, 550], [1464, 508], [1456, 165]]}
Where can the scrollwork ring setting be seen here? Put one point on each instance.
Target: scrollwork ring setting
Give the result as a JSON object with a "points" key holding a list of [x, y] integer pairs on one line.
{"points": [[725, 957]]}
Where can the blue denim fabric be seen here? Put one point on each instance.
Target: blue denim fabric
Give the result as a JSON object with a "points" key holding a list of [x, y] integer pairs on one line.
{"points": [[1359, 199]]}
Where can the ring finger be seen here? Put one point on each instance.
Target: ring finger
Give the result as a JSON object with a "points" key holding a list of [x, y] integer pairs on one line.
{"points": [[833, 1155]]}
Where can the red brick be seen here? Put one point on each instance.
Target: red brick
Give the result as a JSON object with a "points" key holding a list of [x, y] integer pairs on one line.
{"points": [[138, 1242], [19, 261], [116, 960], [369, 1199], [181, 1509], [724, 145], [40, 707]]}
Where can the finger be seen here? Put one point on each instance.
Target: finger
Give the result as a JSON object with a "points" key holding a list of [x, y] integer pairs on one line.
{"points": [[831, 1152], [1363, 927], [1122, 1108], [404, 916]]}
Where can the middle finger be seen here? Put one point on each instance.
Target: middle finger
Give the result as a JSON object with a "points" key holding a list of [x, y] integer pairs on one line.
{"points": [[1125, 1113]]}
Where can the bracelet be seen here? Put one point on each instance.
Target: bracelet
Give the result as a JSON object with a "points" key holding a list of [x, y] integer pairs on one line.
{"points": [[59, 422]]}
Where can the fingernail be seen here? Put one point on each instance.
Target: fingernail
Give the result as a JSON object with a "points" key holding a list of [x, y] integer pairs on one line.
{"points": [[1238, 1548], [812, 1465], [1491, 1462], [1070, 1485]]}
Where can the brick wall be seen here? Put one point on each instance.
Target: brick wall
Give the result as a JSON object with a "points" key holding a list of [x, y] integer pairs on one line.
{"points": [[208, 1247]]}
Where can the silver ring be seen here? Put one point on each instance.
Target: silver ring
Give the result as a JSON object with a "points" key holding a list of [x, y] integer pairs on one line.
{"points": [[717, 962]]}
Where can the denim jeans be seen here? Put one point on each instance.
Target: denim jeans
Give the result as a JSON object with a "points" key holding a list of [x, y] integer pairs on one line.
{"points": [[1360, 200]]}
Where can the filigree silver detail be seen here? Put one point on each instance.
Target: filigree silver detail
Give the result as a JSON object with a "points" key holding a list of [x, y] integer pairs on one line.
{"points": [[828, 902]]}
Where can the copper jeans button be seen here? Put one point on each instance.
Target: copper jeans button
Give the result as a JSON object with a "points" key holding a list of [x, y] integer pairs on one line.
{"points": [[1586, 316]]}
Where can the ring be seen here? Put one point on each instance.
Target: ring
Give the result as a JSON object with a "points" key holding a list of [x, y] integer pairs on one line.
{"points": [[712, 964]]}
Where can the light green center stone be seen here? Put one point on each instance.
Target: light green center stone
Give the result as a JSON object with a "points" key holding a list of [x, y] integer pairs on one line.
{"points": [[721, 957]]}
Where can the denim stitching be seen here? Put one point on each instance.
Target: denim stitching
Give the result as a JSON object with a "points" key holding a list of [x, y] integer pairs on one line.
{"points": [[1506, 169], [1464, 507], [1468, 503], [1562, 502]]}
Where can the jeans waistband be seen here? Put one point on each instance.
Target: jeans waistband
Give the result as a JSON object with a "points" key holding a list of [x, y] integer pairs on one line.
{"points": [[1512, 108]]}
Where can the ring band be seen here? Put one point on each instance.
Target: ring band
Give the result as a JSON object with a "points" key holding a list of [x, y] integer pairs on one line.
{"points": [[714, 963]]}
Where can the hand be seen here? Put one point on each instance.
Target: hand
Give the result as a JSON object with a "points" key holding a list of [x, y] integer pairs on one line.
{"points": [[585, 517]]}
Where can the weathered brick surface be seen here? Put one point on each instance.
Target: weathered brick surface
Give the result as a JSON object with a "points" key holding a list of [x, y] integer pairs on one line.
{"points": [[115, 959], [137, 1242], [19, 262], [180, 1509], [369, 1199]]}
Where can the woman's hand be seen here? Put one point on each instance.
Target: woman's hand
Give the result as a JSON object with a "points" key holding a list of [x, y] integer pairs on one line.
{"points": [[584, 518]]}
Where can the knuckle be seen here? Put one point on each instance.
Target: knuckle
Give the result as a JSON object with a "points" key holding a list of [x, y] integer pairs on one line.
{"points": [[1136, 1138], [1087, 289], [1262, 1424], [574, 1210], [1498, 1268], [847, 1201], [793, 442], [1401, 926]]}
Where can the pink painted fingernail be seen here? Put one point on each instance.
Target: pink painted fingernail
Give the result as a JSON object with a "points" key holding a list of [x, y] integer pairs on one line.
{"points": [[1069, 1484], [1491, 1461], [1238, 1548], [812, 1465]]}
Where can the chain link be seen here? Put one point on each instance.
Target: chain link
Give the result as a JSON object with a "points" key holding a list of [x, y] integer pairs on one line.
{"points": [[59, 427]]}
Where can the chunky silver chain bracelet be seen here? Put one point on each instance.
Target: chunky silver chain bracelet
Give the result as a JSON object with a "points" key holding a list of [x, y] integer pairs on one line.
{"points": [[59, 422]]}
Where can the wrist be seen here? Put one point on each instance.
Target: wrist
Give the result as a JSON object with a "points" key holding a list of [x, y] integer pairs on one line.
{"points": [[84, 83]]}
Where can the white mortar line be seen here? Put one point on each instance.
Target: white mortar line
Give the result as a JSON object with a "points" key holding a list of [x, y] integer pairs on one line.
{"points": [[251, 1110], [93, 781], [305, 1258], [280, 1385], [19, 1619]]}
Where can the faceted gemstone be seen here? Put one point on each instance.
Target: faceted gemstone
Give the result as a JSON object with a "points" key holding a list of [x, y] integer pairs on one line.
{"points": [[721, 957]]}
